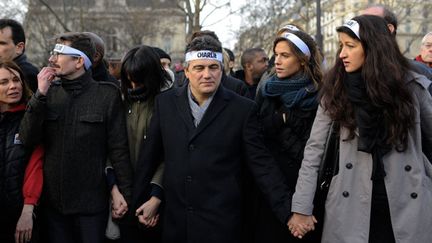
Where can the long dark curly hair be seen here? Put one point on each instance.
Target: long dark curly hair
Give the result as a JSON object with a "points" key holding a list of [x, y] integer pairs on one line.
{"points": [[384, 71]]}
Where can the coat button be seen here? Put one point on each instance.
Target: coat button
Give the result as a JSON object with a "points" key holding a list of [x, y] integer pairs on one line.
{"points": [[191, 147], [189, 178], [414, 195], [408, 168], [190, 209], [349, 166], [345, 194]]}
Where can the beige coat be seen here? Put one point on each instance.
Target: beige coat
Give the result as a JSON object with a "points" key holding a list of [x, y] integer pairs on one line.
{"points": [[408, 181]]}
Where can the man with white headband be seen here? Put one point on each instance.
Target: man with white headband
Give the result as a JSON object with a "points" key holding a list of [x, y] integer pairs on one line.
{"points": [[81, 124], [204, 133]]}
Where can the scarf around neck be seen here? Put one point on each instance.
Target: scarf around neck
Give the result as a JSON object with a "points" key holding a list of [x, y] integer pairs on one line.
{"points": [[137, 94], [370, 122], [420, 59], [296, 91]]}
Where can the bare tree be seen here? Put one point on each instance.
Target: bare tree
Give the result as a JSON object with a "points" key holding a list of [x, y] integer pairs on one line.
{"points": [[198, 13], [118, 24], [13, 9], [262, 21], [264, 18], [413, 21]]}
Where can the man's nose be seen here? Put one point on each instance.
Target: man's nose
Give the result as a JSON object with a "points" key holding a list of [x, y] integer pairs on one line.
{"points": [[206, 72], [52, 58]]}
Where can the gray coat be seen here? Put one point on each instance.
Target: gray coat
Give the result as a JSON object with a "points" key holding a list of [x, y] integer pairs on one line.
{"points": [[408, 180]]}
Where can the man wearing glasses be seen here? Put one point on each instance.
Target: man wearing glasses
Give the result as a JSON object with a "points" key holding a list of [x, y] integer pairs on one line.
{"points": [[81, 124]]}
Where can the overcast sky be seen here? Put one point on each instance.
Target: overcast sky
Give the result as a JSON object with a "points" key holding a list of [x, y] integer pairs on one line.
{"points": [[228, 27]]}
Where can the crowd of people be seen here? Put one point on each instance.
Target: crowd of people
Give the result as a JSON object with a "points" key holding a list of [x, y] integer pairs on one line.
{"points": [[129, 151]]}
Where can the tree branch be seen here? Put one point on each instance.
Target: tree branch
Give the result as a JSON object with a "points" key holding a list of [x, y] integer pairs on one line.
{"points": [[66, 29], [215, 9]]}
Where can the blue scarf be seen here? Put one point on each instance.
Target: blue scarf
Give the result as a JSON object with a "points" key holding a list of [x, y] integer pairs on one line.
{"points": [[297, 91]]}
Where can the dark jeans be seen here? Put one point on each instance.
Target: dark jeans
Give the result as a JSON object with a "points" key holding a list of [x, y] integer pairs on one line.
{"points": [[75, 228], [381, 230], [134, 234]]}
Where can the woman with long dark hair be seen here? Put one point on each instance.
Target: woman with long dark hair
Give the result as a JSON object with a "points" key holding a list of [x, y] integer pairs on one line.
{"points": [[20, 167], [382, 190], [142, 78], [287, 105]]}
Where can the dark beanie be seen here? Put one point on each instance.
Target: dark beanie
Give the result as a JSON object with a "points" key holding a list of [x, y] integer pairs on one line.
{"points": [[230, 54], [161, 53]]}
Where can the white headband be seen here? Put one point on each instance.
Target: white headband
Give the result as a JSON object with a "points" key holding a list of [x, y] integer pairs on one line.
{"points": [[297, 42], [353, 26], [290, 27], [67, 50], [204, 54]]}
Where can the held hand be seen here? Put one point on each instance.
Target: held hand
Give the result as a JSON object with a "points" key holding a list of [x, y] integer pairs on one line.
{"points": [[45, 77], [300, 224], [147, 213], [23, 231], [119, 205]]}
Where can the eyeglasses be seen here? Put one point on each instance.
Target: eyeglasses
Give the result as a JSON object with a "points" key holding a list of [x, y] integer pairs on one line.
{"points": [[56, 54]]}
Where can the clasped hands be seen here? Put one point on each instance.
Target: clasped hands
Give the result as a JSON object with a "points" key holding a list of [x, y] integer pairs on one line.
{"points": [[119, 205], [300, 224]]}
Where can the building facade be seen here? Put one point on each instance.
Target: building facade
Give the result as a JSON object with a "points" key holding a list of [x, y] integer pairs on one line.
{"points": [[413, 22], [122, 24]]}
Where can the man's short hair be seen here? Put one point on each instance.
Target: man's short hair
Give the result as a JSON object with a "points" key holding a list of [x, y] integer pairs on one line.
{"points": [[79, 41], [249, 55], [389, 16], [425, 37], [204, 43], [204, 33], [16, 29], [98, 42]]}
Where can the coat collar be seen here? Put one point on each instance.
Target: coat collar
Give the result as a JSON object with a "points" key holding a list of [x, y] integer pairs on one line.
{"points": [[420, 79], [219, 102]]}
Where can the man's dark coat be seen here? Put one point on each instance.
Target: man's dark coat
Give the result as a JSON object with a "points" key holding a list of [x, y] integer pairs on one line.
{"points": [[203, 166]]}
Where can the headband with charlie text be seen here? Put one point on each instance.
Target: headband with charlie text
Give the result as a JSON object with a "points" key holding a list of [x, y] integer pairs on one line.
{"points": [[297, 42], [204, 54], [354, 27], [67, 50]]}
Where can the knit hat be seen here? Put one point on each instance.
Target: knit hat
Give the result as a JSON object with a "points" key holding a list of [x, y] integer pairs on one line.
{"points": [[230, 54], [161, 53]]}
